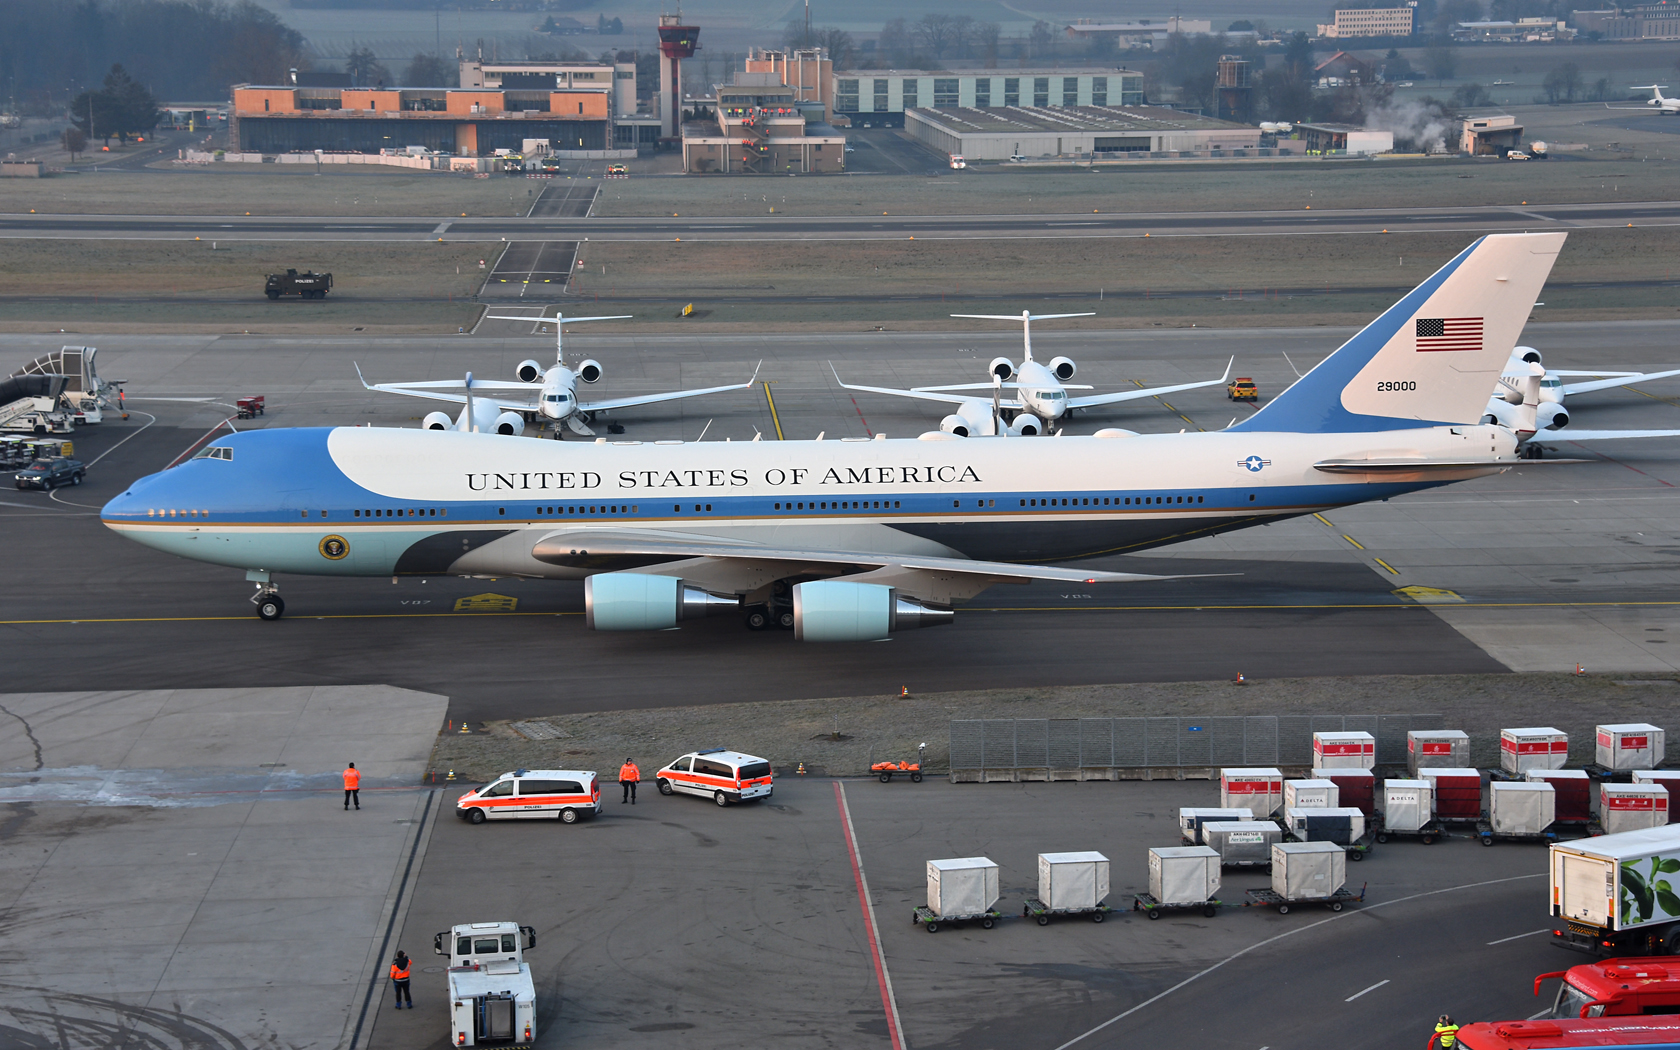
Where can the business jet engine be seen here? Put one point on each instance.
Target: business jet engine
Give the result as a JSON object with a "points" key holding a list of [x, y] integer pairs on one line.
{"points": [[437, 421], [510, 424], [1062, 368], [954, 424], [633, 601], [529, 372], [1026, 425], [1003, 368], [843, 611], [1529, 354], [589, 371], [1551, 416]]}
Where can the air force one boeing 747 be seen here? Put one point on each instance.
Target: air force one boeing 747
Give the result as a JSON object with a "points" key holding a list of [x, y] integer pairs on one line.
{"points": [[854, 539]]}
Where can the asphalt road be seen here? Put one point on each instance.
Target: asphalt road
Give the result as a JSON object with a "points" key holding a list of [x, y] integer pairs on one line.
{"points": [[884, 227]]}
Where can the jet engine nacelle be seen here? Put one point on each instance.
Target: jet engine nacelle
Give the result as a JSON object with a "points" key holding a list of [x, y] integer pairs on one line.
{"points": [[1062, 368], [437, 421], [1026, 425], [589, 371], [842, 611], [633, 601], [1529, 354], [511, 424], [955, 425], [529, 372], [1551, 416], [1003, 368]]}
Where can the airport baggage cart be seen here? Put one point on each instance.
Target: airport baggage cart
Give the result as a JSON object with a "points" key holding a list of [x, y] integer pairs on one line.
{"points": [[1154, 908], [251, 407], [1268, 898], [929, 921], [1033, 908], [885, 771], [1357, 849], [1427, 834], [1485, 832]]}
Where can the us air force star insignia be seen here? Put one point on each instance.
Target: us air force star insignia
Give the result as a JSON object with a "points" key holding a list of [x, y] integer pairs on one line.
{"points": [[1254, 463], [334, 547]]}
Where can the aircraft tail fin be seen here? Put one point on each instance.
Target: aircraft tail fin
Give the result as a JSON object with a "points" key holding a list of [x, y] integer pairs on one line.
{"points": [[1431, 358]]}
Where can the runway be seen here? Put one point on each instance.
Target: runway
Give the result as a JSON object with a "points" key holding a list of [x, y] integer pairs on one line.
{"points": [[1545, 566], [852, 228]]}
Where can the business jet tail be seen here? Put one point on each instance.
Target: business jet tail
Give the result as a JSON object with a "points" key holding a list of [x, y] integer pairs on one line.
{"points": [[1431, 358]]}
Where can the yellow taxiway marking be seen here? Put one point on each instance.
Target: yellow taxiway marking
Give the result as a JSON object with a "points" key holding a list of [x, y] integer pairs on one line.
{"points": [[1353, 541], [1431, 595], [1322, 518], [1386, 565], [774, 418], [483, 603], [967, 608]]}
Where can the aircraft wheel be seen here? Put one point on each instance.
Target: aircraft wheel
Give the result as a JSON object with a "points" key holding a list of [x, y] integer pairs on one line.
{"points": [[271, 607], [758, 618]]}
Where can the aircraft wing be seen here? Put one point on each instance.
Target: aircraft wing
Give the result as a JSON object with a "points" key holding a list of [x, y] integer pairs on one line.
{"points": [[1620, 380], [988, 386], [1568, 372], [928, 395], [1093, 400], [650, 399], [1571, 434], [577, 546], [482, 391]]}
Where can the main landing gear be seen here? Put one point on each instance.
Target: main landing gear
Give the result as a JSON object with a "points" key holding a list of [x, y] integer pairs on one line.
{"points": [[777, 613], [270, 606]]}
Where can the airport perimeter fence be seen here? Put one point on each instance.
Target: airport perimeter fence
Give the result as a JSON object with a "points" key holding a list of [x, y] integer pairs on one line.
{"points": [[1170, 748]]}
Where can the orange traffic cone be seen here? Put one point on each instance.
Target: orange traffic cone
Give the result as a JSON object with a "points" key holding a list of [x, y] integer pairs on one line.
{"points": [[801, 769]]}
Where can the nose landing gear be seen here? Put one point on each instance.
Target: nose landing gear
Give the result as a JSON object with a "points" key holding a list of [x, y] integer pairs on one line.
{"points": [[270, 606]]}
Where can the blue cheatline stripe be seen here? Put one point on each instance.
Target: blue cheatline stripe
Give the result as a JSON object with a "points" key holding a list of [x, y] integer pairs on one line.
{"points": [[1314, 404]]}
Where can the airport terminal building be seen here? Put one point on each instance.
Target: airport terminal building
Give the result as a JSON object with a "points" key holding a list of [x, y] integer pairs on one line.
{"points": [[463, 121], [1031, 133], [880, 97]]}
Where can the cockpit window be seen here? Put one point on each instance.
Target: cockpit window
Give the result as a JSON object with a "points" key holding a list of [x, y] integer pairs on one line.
{"points": [[1551, 382], [1053, 395], [214, 452], [551, 397]]}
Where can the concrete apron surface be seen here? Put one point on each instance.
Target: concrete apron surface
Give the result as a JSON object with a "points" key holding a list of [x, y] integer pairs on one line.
{"points": [[178, 869]]}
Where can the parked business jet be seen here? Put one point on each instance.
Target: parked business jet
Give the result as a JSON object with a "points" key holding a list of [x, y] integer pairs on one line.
{"points": [[1665, 106], [1551, 417], [857, 539], [1040, 391], [501, 407]]}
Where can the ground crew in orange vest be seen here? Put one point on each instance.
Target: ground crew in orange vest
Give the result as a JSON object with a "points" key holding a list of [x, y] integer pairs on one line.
{"points": [[399, 980], [352, 787], [629, 776], [1446, 1032]]}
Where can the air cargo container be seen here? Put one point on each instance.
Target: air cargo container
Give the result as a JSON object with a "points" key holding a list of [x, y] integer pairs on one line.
{"points": [[1448, 748], [1258, 790], [1408, 807], [1181, 875], [1343, 826], [1241, 843], [1668, 778], [1310, 794], [1631, 807], [1307, 870], [1574, 792], [1191, 819], [1458, 792], [1072, 881], [1354, 787], [1521, 807], [1345, 750], [1537, 747], [1629, 746], [961, 887], [1613, 895]]}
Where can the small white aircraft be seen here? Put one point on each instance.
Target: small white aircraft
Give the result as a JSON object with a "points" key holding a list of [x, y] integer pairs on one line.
{"points": [[1283, 126], [1665, 106], [1041, 391], [501, 407], [1550, 417]]}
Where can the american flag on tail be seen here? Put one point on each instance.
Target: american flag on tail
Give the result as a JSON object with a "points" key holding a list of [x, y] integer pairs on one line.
{"points": [[1449, 333]]}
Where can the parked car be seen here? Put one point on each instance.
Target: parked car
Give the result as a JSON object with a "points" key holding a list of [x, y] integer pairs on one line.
{"points": [[51, 473]]}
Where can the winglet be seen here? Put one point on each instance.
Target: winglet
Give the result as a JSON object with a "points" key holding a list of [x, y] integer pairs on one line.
{"points": [[358, 368], [1226, 378]]}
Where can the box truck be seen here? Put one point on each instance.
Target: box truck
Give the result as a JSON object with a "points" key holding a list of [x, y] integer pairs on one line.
{"points": [[1615, 894]]}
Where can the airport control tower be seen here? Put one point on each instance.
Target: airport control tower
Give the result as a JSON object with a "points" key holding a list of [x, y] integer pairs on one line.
{"points": [[676, 42]]}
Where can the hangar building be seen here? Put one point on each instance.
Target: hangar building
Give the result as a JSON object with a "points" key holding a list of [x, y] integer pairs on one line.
{"points": [[999, 134], [880, 97]]}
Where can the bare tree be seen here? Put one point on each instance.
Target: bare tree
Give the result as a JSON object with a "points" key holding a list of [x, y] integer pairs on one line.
{"points": [[74, 141], [986, 36], [939, 33]]}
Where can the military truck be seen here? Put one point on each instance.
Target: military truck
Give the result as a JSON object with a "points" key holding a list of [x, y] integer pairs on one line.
{"points": [[310, 285]]}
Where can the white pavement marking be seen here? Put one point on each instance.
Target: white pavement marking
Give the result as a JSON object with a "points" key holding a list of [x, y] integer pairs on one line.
{"points": [[895, 1029], [1290, 933], [1373, 988], [1520, 936]]}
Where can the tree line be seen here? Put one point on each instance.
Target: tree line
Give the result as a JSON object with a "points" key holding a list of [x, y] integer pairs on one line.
{"points": [[179, 49]]}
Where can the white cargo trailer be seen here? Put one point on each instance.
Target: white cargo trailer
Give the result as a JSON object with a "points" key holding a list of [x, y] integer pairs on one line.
{"points": [[1407, 808], [1069, 884], [1191, 819], [1436, 747], [1534, 747], [1519, 809], [1181, 877], [1668, 778], [1307, 872], [1341, 825], [1613, 895], [1242, 843], [1310, 794], [962, 886], [1631, 807], [1629, 746], [1344, 750], [1259, 790]]}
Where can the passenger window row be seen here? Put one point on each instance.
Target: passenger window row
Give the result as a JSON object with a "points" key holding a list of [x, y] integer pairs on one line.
{"points": [[880, 504], [425, 512], [1117, 501]]}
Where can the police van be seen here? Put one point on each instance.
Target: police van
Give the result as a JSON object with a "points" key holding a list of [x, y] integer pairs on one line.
{"points": [[724, 776], [531, 794]]}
